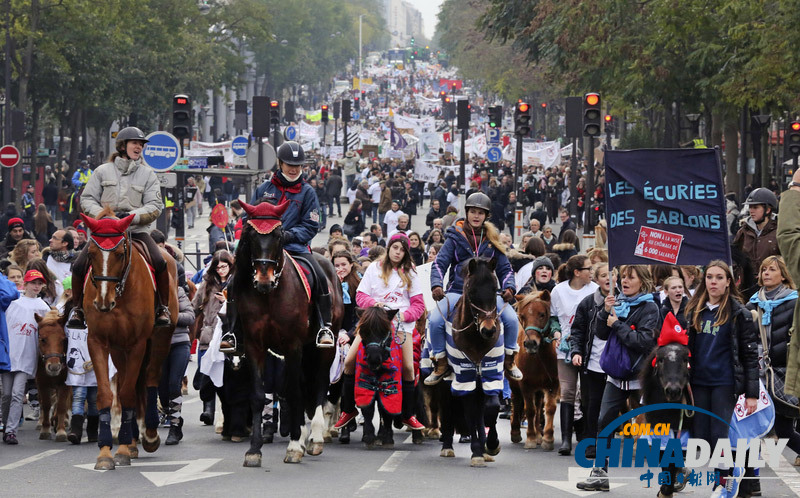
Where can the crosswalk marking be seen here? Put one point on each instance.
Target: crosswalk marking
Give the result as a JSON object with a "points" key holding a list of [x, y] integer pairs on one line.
{"points": [[30, 459]]}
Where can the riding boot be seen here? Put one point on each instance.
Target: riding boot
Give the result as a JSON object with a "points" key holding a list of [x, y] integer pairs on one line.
{"points": [[175, 421], [92, 422], [75, 429], [267, 425], [232, 341], [325, 337], [162, 313], [408, 407], [567, 418], [348, 403], [510, 368], [76, 320], [207, 417], [439, 372]]}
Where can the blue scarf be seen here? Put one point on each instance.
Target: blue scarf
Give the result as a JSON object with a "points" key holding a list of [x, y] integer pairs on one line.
{"points": [[623, 309], [345, 293], [768, 305]]}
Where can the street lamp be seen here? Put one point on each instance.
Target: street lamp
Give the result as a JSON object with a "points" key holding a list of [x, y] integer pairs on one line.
{"points": [[695, 120]]}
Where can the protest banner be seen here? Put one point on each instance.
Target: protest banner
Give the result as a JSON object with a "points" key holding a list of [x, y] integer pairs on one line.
{"points": [[665, 206]]}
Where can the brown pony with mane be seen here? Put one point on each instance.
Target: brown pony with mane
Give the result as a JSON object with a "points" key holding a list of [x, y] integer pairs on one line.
{"points": [[537, 360], [119, 306], [51, 375]]}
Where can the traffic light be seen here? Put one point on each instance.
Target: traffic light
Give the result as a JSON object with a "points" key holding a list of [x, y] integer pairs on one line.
{"points": [[336, 109], [447, 110], [357, 103], [591, 114], [453, 87], [274, 113], [463, 114], [412, 41], [289, 111], [324, 113], [496, 116], [522, 119], [260, 115], [794, 138], [609, 120], [544, 106], [181, 116], [346, 111]]}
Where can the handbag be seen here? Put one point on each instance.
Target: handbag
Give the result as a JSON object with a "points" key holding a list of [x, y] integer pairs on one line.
{"points": [[615, 360], [775, 379], [349, 229]]}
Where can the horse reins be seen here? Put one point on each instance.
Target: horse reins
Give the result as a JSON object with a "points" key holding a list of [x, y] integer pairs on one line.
{"points": [[126, 247]]}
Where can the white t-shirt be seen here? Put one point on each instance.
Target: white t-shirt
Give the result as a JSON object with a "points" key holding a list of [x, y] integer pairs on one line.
{"points": [[523, 275], [23, 333], [394, 295], [391, 219], [61, 271], [79, 363], [375, 192], [564, 302]]}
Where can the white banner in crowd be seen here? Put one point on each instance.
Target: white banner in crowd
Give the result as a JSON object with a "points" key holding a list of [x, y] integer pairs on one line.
{"points": [[547, 154], [419, 125]]}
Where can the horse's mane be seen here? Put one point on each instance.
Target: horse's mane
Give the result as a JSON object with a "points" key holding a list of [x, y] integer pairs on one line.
{"points": [[107, 212], [373, 318], [51, 318], [531, 297]]}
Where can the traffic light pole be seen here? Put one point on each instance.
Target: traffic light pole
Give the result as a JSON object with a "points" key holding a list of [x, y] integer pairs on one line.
{"points": [[344, 131], [573, 182], [336, 132], [587, 211], [462, 163], [517, 178]]}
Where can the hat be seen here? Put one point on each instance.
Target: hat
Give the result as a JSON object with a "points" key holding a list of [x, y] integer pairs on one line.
{"points": [[349, 153], [32, 275], [541, 261], [402, 237], [15, 222], [67, 282], [335, 228]]}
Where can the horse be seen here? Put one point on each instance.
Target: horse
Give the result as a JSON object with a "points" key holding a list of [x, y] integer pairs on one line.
{"points": [[665, 379], [51, 375], [537, 360], [276, 313], [120, 321], [378, 374], [479, 376]]}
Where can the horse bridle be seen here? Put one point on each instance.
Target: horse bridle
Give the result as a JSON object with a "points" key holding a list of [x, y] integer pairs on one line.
{"points": [[266, 262], [61, 356], [476, 316], [126, 248]]}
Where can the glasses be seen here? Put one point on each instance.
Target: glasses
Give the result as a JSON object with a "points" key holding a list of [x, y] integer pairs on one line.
{"points": [[583, 269], [223, 265]]}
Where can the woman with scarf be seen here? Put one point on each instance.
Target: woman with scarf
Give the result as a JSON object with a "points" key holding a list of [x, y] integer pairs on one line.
{"points": [[631, 323], [774, 303]]}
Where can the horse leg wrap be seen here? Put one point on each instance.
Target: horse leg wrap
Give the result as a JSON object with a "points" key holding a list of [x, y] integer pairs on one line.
{"points": [[151, 412], [104, 437], [175, 406], [125, 427], [409, 400]]}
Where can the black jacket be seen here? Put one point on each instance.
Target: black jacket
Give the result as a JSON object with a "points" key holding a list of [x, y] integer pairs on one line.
{"points": [[355, 218], [433, 214], [581, 334], [744, 349], [333, 186], [639, 340], [782, 317]]}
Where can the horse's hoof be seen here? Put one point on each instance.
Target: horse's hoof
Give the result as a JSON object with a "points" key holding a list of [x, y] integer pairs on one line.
{"points": [[122, 460], [478, 461], [252, 460], [434, 434], [133, 450], [662, 494], [491, 451], [104, 463], [447, 453], [293, 456], [327, 439], [61, 437], [387, 446], [516, 437], [151, 446], [488, 458], [237, 439], [548, 445], [531, 445], [314, 449], [45, 435]]}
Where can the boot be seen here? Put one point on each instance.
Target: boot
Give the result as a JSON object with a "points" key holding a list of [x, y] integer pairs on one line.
{"points": [[232, 341], [75, 429], [510, 368], [409, 401], [440, 372], [325, 337], [92, 422], [175, 432], [348, 403], [76, 320], [162, 312], [267, 426], [207, 417], [567, 418]]}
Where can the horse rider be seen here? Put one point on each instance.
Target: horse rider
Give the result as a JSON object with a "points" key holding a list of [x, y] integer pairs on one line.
{"points": [[466, 239], [299, 224], [128, 186]]}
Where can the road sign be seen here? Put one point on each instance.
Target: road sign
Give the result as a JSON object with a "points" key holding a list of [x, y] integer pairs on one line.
{"points": [[493, 136], [162, 152], [356, 115], [239, 145], [9, 156], [168, 180], [290, 133], [494, 154], [268, 159], [198, 162]]}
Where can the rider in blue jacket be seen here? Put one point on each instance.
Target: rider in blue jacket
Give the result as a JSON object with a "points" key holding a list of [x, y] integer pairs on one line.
{"points": [[468, 238], [299, 223]]}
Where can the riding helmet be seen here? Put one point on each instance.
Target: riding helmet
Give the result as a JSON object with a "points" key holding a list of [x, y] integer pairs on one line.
{"points": [[131, 133], [479, 200], [291, 153], [762, 196]]}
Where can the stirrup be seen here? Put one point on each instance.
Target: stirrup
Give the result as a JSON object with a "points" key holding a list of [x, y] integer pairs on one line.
{"points": [[165, 320], [325, 333], [77, 320], [229, 345]]}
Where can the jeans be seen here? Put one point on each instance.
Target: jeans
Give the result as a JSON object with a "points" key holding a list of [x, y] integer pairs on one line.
{"points": [[336, 199], [52, 210], [172, 372], [82, 394], [374, 212], [13, 392], [613, 403], [438, 329], [349, 180], [191, 214]]}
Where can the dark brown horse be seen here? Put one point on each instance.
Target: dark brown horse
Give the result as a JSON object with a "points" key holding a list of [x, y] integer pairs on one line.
{"points": [[276, 314], [537, 360], [51, 375], [475, 334], [119, 305]]}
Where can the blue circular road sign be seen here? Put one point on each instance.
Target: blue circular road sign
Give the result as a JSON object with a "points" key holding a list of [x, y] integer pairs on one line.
{"points": [[290, 133], [239, 145], [162, 152], [494, 154]]}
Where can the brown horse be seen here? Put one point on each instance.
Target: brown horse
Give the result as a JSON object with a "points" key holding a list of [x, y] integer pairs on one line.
{"points": [[277, 315], [119, 305], [537, 360], [51, 375]]}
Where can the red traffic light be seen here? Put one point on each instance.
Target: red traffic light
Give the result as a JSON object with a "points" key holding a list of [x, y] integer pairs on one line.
{"points": [[447, 99], [592, 98], [608, 118], [181, 100], [324, 108], [274, 104], [523, 107], [544, 105], [795, 126], [442, 93]]}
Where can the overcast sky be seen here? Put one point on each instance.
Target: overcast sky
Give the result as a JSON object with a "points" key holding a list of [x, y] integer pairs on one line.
{"points": [[429, 9]]}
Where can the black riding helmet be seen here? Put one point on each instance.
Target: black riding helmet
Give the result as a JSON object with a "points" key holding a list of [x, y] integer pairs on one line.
{"points": [[479, 200], [762, 196], [129, 133], [291, 153]]}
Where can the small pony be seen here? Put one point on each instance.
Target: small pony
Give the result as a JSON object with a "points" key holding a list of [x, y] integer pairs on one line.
{"points": [[51, 375]]}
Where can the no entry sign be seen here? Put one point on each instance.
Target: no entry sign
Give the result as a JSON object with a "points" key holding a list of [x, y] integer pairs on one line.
{"points": [[9, 156]]}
